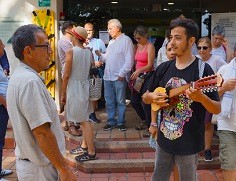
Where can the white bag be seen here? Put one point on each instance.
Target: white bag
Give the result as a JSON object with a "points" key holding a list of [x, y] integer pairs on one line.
{"points": [[95, 88]]}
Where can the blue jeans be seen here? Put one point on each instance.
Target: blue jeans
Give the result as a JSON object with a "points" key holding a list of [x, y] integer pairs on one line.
{"points": [[115, 95], [3, 127], [187, 166]]}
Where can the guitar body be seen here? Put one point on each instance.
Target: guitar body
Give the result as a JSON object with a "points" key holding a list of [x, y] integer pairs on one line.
{"points": [[154, 106]]}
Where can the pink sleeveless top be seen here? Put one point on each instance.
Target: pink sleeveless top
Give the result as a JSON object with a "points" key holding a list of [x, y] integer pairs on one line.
{"points": [[141, 58]]}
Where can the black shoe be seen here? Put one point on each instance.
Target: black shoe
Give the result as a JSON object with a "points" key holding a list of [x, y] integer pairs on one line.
{"points": [[208, 155], [86, 157], [5, 172], [78, 151], [122, 128], [108, 127], [93, 118]]}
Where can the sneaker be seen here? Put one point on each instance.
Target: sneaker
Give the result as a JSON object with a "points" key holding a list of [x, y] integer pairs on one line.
{"points": [[78, 151], [108, 127], [208, 155], [122, 128], [86, 157], [5, 172], [93, 118]]}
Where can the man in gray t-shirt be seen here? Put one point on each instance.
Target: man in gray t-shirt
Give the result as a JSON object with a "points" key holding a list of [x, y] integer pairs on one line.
{"points": [[40, 142]]}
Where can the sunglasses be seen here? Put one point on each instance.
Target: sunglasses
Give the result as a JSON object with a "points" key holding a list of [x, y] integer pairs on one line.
{"points": [[203, 47]]}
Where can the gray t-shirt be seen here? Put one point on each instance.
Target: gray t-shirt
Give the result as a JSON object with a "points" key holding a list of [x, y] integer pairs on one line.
{"points": [[30, 105]]}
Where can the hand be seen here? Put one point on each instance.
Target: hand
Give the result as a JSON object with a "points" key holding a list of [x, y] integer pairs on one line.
{"points": [[63, 99], [120, 78], [153, 130], [160, 98], [194, 94], [98, 64], [3, 101], [98, 53], [68, 175], [229, 85], [225, 42], [134, 75]]}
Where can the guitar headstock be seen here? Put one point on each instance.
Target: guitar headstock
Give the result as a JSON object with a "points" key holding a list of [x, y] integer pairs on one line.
{"points": [[209, 83]]}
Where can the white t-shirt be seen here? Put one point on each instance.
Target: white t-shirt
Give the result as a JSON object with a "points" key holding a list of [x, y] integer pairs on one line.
{"points": [[228, 71]]}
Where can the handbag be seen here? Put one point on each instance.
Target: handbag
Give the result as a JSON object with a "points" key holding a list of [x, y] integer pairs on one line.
{"points": [[95, 88], [139, 82]]}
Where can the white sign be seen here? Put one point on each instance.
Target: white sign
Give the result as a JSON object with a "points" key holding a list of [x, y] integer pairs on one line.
{"points": [[104, 36], [228, 20]]}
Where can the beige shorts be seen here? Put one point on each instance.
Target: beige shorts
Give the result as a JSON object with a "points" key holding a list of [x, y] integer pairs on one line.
{"points": [[227, 149], [28, 171]]}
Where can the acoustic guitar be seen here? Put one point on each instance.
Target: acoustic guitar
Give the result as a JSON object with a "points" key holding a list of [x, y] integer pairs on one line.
{"points": [[205, 84]]}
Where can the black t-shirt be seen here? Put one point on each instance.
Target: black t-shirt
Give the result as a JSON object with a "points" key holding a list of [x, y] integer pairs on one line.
{"points": [[181, 131]]}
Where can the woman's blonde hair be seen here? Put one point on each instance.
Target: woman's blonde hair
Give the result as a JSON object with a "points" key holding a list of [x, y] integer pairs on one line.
{"points": [[205, 39]]}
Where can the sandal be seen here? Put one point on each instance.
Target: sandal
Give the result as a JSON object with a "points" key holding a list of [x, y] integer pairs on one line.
{"points": [[141, 125], [86, 157], [78, 151], [73, 131]]}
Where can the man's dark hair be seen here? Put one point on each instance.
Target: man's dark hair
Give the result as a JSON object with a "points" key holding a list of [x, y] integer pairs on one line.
{"points": [[24, 36], [67, 25], [191, 28]]}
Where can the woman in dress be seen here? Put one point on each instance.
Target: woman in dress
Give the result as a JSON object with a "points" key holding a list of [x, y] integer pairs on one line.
{"points": [[75, 92], [144, 60]]}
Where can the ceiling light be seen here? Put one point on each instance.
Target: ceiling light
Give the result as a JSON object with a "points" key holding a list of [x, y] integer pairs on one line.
{"points": [[114, 2], [170, 3]]}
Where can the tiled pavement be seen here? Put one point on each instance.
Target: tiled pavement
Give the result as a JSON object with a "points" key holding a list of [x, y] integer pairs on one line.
{"points": [[130, 134]]}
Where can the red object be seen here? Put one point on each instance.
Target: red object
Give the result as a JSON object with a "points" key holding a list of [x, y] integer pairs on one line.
{"points": [[62, 16]]}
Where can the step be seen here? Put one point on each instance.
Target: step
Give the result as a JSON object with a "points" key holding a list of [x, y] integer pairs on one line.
{"points": [[129, 165], [128, 156]]}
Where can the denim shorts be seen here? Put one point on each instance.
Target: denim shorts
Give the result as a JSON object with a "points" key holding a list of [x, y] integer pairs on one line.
{"points": [[227, 149]]}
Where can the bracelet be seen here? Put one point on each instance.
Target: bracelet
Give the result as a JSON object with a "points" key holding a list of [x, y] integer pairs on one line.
{"points": [[153, 124]]}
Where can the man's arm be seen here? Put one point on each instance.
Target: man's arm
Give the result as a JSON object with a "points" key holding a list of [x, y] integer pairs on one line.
{"points": [[48, 144], [3, 101]]}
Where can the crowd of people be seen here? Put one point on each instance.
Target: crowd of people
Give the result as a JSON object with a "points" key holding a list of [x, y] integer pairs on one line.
{"points": [[183, 128]]}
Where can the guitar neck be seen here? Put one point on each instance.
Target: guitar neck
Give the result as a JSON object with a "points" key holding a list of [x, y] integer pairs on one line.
{"points": [[179, 90]]}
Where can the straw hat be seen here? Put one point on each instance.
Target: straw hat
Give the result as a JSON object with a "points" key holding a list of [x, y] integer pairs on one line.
{"points": [[79, 32]]}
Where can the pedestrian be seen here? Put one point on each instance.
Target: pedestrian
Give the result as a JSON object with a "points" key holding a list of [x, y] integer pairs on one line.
{"points": [[40, 142], [181, 131], [220, 44], [226, 121], [95, 44], [64, 44], [3, 113], [144, 66], [204, 50], [75, 92], [119, 58]]}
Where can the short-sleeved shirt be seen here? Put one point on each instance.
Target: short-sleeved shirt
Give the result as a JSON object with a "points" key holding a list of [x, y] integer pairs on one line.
{"points": [[181, 131], [64, 45], [30, 105], [96, 44]]}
